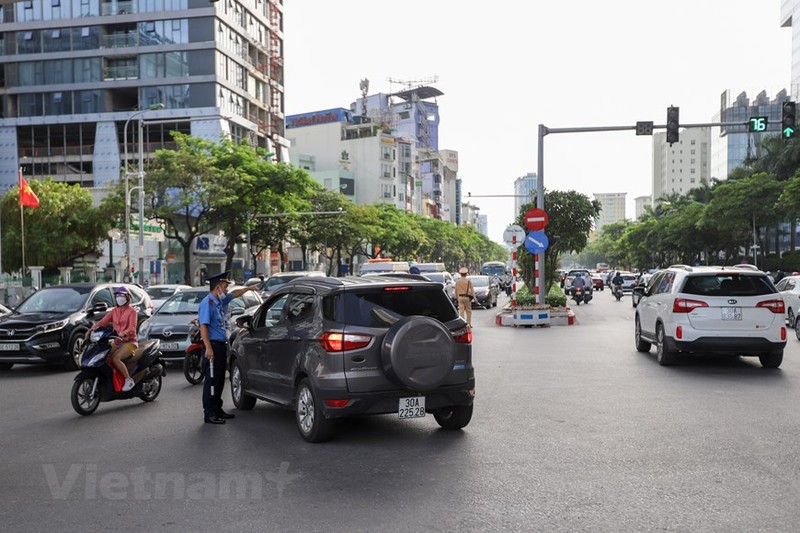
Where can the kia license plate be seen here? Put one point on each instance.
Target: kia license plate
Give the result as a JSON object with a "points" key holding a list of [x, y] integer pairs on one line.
{"points": [[731, 313], [412, 407], [9, 347], [169, 346]]}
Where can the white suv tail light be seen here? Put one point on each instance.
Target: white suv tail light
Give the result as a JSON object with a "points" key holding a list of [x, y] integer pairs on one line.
{"points": [[685, 305], [776, 306]]}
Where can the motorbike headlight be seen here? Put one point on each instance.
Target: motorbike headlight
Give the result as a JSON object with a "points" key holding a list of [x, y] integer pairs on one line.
{"points": [[95, 335], [53, 326]]}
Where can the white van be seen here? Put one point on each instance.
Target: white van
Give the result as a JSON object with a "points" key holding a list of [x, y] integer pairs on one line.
{"points": [[383, 266]]}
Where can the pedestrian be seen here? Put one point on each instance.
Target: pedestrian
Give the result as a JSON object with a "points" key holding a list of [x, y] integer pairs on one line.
{"points": [[213, 330], [465, 293]]}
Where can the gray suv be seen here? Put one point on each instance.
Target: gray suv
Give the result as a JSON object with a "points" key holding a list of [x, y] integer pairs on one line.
{"points": [[330, 348]]}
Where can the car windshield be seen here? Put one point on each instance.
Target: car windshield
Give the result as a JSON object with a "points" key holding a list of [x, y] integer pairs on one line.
{"points": [[55, 300], [480, 281], [725, 284], [183, 303], [381, 309], [159, 293], [275, 282]]}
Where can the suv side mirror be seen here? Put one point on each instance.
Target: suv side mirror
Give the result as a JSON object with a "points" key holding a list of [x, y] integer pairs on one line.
{"points": [[244, 321], [100, 307], [639, 290]]}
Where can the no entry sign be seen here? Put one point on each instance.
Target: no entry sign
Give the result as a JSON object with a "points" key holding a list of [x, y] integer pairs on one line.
{"points": [[536, 219]]}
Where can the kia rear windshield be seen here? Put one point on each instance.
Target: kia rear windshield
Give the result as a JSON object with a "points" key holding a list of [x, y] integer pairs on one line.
{"points": [[382, 308], [728, 285]]}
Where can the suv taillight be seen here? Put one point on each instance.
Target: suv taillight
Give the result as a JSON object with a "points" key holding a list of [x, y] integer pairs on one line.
{"points": [[684, 305], [333, 341], [462, 335], [776, 306]]}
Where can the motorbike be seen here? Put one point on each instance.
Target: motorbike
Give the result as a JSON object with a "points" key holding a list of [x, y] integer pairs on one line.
{"points": [[193, 360], [95, 382], [617, 292], [581, 295]]}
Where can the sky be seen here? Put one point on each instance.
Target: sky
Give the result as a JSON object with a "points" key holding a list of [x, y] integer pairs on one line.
{"points": [[507, 66]]}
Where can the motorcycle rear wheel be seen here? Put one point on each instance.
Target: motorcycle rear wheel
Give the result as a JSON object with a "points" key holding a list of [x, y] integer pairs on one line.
{"points": [[193, 367], [151, 388], [82, 400]]}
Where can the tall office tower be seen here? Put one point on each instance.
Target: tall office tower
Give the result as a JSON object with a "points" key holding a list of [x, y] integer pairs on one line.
{"points": [[80, 78]]}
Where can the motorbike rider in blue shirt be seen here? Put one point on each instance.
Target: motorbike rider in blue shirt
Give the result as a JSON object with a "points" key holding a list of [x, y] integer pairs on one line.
{"points": [[617, 281]]}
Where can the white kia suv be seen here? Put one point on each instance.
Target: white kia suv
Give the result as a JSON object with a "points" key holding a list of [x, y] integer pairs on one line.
{"points": [[731, 310]]}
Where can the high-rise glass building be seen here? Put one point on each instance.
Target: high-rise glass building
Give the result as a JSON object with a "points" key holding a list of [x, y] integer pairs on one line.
{"points": [[732, 146], [524, 191], [77, 76]]}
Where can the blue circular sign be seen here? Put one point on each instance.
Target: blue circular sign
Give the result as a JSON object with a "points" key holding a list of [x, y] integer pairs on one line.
{"points": [[536, 242]]}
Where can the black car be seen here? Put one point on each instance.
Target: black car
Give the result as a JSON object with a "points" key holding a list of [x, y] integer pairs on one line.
{"points": [[49, 325], [330, 348]]}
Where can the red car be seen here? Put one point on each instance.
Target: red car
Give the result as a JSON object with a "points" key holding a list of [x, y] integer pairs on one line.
{"points": [[597, 282]]}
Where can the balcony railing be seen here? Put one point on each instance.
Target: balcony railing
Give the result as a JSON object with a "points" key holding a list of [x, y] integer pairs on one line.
{"points": [[117, 8], [127, 72], [119, 40]]}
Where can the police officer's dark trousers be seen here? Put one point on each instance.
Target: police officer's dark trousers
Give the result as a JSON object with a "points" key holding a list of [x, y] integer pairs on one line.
{"points": [[212, 405]]}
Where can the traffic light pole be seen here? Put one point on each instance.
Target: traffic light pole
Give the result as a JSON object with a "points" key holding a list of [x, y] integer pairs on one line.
{"points": [[544, 130]]}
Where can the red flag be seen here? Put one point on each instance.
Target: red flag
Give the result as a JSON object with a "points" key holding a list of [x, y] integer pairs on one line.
{"points": [[26, 195]]}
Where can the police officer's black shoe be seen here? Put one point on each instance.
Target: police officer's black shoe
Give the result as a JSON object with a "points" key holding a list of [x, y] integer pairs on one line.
{"points": [[225, 416], [213, 420]]}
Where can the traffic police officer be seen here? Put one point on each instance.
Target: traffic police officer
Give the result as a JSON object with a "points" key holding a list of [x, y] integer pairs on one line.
{"points": [[212, 316], [465, 293]]}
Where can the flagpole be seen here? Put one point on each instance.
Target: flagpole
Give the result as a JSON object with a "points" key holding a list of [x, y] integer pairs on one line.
{"points": [[22, 228]]}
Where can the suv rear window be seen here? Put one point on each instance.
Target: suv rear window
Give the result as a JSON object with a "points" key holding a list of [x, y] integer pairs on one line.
{"points": [[381, 308], [724, 284]]}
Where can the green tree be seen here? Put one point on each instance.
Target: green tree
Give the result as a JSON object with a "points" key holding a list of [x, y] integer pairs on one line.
{"points": [[571, 216], [254, 185], [64, 228], [183, 188]]}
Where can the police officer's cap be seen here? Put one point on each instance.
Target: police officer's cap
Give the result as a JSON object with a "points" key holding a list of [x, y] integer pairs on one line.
{"points": [[222, 277]]}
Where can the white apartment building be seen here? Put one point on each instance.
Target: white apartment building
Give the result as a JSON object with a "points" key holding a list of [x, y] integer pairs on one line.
{"points": [[639, 203], [680, 167], [359, 160], [612, 208]]}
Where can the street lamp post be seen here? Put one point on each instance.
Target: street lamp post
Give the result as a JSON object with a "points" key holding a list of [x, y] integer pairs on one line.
{"points": [[153, 107], [141, 205]]}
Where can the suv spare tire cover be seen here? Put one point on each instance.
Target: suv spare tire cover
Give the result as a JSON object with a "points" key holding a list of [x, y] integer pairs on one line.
{"points": [[419, 352]]}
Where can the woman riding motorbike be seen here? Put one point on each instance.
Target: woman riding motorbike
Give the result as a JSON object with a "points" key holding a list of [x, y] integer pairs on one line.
{"points": [[123, 319]]}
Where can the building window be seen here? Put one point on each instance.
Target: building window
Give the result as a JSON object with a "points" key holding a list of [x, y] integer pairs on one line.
{"points": [[28, 5], [55, 3], [692, 143], [85, 32], [56, 34], [28, 35], [692, 171], [150, 27]]}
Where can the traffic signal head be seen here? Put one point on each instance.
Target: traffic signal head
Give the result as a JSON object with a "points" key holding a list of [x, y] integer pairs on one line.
{"points": [[789, 120], [673, 124]]}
